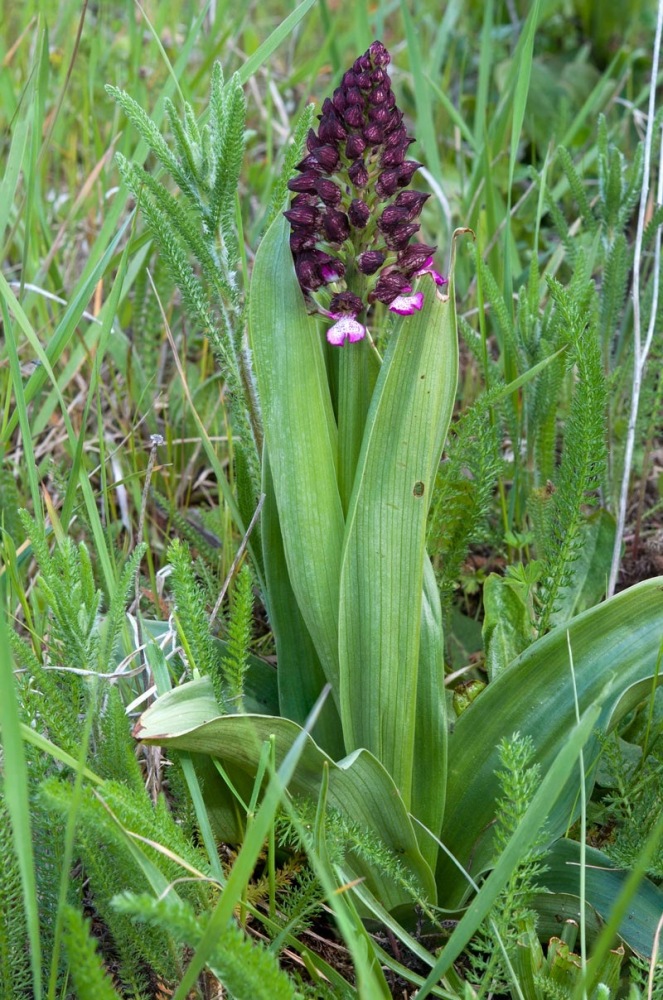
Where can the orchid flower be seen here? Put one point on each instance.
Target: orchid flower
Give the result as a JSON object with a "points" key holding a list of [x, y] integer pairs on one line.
{"points": [[352, 218]]}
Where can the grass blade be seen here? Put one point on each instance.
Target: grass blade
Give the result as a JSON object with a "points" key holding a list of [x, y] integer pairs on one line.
{"points": [[16, 794]]}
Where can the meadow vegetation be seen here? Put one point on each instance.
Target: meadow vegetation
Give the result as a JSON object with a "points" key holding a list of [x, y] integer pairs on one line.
{"points": [[330, 671]]}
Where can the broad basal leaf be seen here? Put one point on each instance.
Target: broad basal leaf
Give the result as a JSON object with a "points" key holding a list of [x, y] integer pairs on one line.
{"points": [[603, 883], [187, 718], [301, 437], [383, 560], [616, 644]]}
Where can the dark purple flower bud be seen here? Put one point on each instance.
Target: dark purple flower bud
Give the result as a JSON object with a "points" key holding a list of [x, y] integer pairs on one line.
{"points": [[373, 134], [390, 285], [327, 157], [364, 79], [395, 120], [335, 225], [380, 115], [312, 141], [302, 239], [412, 202], [332, 270], [353, 95], [362, 64], [354, 147], [386, 184], [315, 268], [379, 54], [304, 199], [359, 213], [305, 182], [392, 218], [358, 174], [412, 258], [399, 238], [346, 303], [395, 177], [406, 172], [327, 108], [394, 155], [309, 163], [306, 268], [378, 77], [354, 116], [331, 129], [339, 100], [379, 95], [411, 199], [303, 216], [329, 192], [370, 261], [396, 137], [349, 80]]}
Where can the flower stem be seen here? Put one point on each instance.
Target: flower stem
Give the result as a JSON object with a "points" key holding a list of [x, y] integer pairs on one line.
{"points": [[358, 371]]}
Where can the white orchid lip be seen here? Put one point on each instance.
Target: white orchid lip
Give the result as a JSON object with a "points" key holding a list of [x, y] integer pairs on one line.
{"points": [[405, 305], [346, 327]]}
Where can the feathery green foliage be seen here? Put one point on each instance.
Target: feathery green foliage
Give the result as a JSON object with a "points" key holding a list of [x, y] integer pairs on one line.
{"points": [[114, 748], [109, 821], [192, 621], [187, 531], [200, 225], [148, 321], [240, 624], [343, 838], [464, 490], [245, 968], [90, 980], [69, 592], [582, 467], [512, 917], [632, 803]]}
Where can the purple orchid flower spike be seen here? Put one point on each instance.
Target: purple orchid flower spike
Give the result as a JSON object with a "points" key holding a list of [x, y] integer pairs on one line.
{"points": [[352, 217]]}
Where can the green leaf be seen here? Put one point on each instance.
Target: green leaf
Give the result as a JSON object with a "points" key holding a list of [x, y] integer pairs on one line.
{"points": [[300, 675], [301, 437], [16, 789], [429, 775], [187, 718], [385, 545], [616, 642], [603, 883], [507, 625]]}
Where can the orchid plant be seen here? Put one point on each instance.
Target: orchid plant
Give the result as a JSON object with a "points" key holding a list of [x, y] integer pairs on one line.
{"points": [[354, 352], [372, 432]]}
